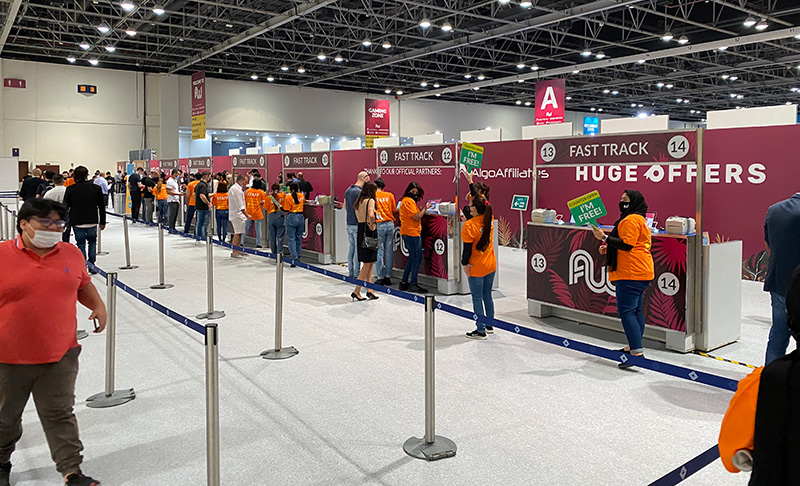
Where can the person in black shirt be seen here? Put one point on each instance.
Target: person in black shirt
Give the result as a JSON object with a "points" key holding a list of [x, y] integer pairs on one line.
{"points": [[305, 186], [86, 210], [30, 185], [148, 185], [202, 202], [136, 192], [47, 184]]}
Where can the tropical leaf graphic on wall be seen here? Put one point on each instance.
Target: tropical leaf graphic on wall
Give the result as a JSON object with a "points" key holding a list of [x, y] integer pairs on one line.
{"points": [[505, 233], [561, 290], [721, 238], [548, 244], [576, 239], [670, 253], [755, 267], [662, 311]]}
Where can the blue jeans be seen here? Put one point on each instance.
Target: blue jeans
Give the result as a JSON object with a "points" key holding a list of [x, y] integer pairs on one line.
{"points": [[482, 303], [353, 266], [84, 235], [276, 227], [414, 247], [259, 231], [779, 332], [163, 209], [201, 230], [189, 217], [385, 249], [222, 224], [630, 298], [294, 233]]}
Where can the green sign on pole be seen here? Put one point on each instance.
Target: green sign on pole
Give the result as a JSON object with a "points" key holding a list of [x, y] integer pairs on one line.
{"points": [[520, 203], [471, 155], [587, 209]]}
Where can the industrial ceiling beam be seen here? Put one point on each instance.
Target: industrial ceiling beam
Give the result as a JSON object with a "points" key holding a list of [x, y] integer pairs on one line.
{"points": [[11, 17], [606, 63], [255, 31]]}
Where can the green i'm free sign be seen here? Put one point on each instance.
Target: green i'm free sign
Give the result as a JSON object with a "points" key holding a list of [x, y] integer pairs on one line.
{"points": [[587, 209], [471, 155]]}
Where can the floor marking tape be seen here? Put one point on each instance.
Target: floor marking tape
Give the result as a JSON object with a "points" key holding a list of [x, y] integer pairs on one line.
{"points": [[724, 359], [682, 472]]}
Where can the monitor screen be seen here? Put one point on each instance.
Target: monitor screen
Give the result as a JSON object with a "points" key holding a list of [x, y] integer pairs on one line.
{"points": [[651, 219], [434, 205]]}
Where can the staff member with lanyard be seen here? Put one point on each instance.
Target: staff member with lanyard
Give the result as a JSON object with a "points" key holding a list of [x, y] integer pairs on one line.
{"points": [[630, 266], [293, 204], [276, 220]]}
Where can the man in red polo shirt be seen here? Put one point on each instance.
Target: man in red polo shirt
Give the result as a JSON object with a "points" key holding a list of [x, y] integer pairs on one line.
{"points": [[38, 349]]}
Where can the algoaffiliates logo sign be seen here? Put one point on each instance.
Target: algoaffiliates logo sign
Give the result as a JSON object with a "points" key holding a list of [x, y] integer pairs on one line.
{"points": [[581, 265]]}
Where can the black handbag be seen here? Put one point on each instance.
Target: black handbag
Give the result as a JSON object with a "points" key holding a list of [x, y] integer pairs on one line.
{"points": [[370, 243]]}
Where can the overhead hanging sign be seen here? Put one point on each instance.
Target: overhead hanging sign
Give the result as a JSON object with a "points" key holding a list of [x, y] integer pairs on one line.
{"points": [[168, 164], [550, 102], [591, 125], [377, 120], [249, 162], [471, 155], [200, 163], [199, 105], [619, 149], [307, 160]]}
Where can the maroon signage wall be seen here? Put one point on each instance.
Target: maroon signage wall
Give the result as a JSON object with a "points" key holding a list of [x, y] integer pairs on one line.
{"points": [[433, 167], [346, 166], [316, 169], [198, 164], [221, 163], [246, 163]]}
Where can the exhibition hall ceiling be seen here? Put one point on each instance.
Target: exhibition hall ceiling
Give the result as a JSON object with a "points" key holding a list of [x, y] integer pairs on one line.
{"points": [[623, 57]]}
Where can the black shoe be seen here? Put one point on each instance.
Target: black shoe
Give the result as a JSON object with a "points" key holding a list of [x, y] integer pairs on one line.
{"points": [[476, 335], [292, 265], [357, 298], [387, 282], [489, 330], [92, 271], [403, 286], [78, 479], [259, 246], [417, 289], [5, 473], [372, 296], [626, 365]]}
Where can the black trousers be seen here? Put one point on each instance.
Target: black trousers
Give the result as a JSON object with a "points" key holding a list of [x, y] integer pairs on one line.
{"points": [[172, 210], [136, 204]]}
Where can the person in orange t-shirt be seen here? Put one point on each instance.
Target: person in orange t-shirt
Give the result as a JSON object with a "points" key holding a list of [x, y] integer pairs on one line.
{"points": [[220, 202], [161, 194], [190, 209], [630, 265], [293, 204], [385, 207], [254, 200], [410, 231], [276, 219], [480, 263]]}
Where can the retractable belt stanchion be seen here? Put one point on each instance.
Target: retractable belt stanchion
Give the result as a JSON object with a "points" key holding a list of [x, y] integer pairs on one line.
{"points": [[14, 221], [212, 405], [128, 265], [279, 352], [111, 397], [100, 242], [2, 221], [211, 314], [432, 447], [161, 284]]}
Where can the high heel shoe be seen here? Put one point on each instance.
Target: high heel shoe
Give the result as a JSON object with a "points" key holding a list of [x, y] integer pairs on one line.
{"points": [[356, 297], [372, 296]]}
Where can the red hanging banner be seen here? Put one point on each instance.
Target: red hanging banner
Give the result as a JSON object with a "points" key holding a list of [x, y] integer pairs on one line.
{"points": [[377, 120], [199, 105], [550, 102]]}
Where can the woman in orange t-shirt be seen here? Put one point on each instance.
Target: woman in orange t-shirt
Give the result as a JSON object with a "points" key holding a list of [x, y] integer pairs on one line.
{"points": [[630, 266], [254, 200], [293, 204], [220, 202], [161, 200], [410, 232], [480, 263]]}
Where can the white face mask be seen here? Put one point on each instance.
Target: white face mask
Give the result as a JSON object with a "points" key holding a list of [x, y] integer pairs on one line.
{"points": [[45, 239]]}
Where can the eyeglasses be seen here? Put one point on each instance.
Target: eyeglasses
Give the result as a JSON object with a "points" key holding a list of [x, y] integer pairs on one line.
{"points": [[52, 223]]}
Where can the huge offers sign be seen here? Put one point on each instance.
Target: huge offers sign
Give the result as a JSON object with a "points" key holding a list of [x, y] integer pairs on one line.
{"points": [[550, 102], [199, 105], [377, 120]]}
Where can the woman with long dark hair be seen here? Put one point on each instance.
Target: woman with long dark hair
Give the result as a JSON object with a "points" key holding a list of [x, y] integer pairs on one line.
{"points": [[630, 266], [410, 232], [480, 263], [220, 202], [295, 221], [366, 237]]}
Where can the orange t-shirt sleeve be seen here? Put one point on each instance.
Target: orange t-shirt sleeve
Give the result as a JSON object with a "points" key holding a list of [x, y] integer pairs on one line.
{"points": [[739, 424]]}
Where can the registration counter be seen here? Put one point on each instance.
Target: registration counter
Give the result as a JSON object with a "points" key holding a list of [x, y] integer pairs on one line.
{"points": [[318, 234]]}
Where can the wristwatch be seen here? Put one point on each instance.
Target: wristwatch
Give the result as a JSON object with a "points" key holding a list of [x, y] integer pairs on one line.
{"points": [[605, 237]]}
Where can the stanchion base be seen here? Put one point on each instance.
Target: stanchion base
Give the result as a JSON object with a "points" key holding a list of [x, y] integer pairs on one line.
{"points": [[211, 315], [102, 253], [162, 286], [283, 353], [81, 334], [129, 267], [119, 397], [441, 448]]}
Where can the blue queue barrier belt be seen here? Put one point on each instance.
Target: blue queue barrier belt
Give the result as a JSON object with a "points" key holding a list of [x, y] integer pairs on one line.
{"points": [[682, 472], [575, 345], [152, 303]]}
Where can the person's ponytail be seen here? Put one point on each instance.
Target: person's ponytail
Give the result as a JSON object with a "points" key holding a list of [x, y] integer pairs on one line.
{"points": [[485, 239]]}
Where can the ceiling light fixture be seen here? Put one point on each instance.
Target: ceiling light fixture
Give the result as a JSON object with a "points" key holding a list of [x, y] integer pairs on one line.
{"points": [[447, 27], [425, 23], [111, 48], [600, 55], [85, 46], [399, 92], [593, 109], [301, 70], [338, 58], [366, 42], [640, 61], [667, 36], [518, 102], [467, 76], [534, 67], [127, 5], [528, 103], [481, 77], [723, 48], [606, 91], [734, 78], [520, 80], [94, 62], [568, 98], [386, 44], [71, 59], [669, 86], [762, 25], [438, 94], [158, 9], [586, 52], [321, 56], [270, 78], [725, 76], [103, 28], [749, 22], [683, 40], [659, 85], [132, 32], [503, 2], [435, 85], [424, 84], [615, 92], [254, 77], [387, 91], [576, 71], [284, 68], [678, 100], [520, 65], [476, 88], [525, 4]]}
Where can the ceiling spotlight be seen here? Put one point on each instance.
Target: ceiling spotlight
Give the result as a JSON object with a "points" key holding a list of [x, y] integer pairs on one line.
{"points": [[527, 103], [399, 92], [724, 76], [667, 36], [103, 28], [132, 32], [94, 62], [683, 40], [633, 105], [520, 65], [525, 4], [723, 48], [338, 58], [447, 27], [321, 56], [301, 70], [424, 84], [467, 76], [669, 86], [640, 61], [749, 22], [534, 67], [366, 42], [615, 92], [503, 2], [797, 37], [685, 102], [794, 90], [518, 102], [386, 44], [476, 88], [85, 45], [640, 105], [438, 94], [599, 109], [158, 9], [678, 100], [111, 48], [734, 78], [659, 85], [568, 98], [733, 95], [762, 24], [481, 77], [520, 81], [435, 85], [284, 68], [387, 91], [270, 78], [593, 109], [576, 71], [254, 76], [739, 97], [600, 55], [425, 23], [71, 59], [606, 91], [586, 52], [127, 5], [642, 115]]}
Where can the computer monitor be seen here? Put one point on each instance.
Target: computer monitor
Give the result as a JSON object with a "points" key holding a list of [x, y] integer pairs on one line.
{"points": [[651, 219], [434, 205]]}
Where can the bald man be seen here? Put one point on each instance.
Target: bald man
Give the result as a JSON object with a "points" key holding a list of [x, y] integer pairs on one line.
{"points": [[350, 197], [31, 184]]}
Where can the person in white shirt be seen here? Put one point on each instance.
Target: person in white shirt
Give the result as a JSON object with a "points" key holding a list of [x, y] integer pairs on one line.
{"points": [[99, 180], [173, 198], [236, 212], [57, 192]]}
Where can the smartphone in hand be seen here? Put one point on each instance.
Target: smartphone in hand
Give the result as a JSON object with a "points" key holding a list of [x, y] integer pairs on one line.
{"points": [[96, 326]]}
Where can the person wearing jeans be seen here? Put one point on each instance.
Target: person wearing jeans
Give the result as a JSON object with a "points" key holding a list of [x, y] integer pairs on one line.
{"points": [[385, 205], [276, 218], [630, 265], [86, 234], [295, 221], [350, 196], [410, 231], [480, 264], [202, 205], [86, 211]]}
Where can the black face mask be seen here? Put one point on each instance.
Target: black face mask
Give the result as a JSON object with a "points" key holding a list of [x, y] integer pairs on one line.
{"points": [[623, 206], [414, 196]]}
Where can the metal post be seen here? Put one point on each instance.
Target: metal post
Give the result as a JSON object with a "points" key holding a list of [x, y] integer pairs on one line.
{"points": [[279, 352], [111, 397], [14, 222], [161, 284], [100, 242], [212, 223], [2, 221], [211, 314], [212, 405], [128, 265], [521, 230], [432, 447]]}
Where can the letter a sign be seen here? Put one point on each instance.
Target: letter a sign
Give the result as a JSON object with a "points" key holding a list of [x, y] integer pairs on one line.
{"points": [[550, 101]]}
